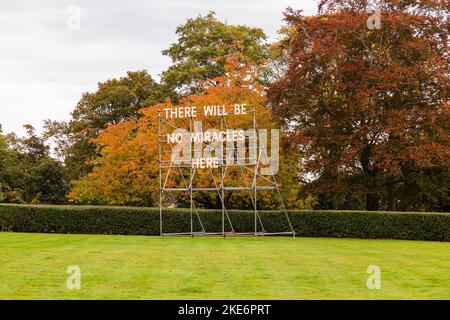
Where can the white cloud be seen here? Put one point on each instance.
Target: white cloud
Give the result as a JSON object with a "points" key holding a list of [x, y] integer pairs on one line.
{"points": [[45, 66]]}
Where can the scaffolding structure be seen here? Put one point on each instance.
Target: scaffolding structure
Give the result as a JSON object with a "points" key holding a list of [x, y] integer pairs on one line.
{"points": [[251, 182]]}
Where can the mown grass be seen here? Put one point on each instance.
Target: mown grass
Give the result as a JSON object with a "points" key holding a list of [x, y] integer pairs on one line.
{"points": [[33, 266]]}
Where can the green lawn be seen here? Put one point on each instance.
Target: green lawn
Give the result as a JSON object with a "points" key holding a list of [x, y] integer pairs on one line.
{"points": [[136, 267]]}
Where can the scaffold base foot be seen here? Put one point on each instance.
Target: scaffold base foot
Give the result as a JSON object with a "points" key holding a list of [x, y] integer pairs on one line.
{"points": [[226, 234]]}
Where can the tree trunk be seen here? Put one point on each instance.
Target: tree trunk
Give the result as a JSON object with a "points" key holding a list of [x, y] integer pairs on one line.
{"points": [[372, 202], [392, 204], [372, 198]]}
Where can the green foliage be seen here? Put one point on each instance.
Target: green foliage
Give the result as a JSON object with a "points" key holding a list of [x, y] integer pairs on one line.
{"points": [[47, 183], [2, 195], [145, 221], [115, 101], [30, 148], [203, 42], [214, 268], [28, 174]]}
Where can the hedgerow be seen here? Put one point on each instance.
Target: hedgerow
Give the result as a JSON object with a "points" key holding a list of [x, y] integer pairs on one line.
{"points": [[146, 221]]}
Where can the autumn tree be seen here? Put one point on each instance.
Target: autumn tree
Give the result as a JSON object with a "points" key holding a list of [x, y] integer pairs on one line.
{"points": [[197, 56], [126, 173], [367, 106]]}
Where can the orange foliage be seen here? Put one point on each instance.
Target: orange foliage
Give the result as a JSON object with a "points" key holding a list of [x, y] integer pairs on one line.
{"points": [[127, 171]]}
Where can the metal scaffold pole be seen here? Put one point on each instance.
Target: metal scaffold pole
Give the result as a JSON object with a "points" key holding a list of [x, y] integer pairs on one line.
{"points": [[169, 168], [222, 182], [160, 177]]}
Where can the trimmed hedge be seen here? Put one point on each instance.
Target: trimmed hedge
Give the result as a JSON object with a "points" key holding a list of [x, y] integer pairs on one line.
{"points": [[145, 221]]}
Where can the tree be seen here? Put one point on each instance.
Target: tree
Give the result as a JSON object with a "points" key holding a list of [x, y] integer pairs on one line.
{"points": [[368, 108], [125, 173], [197, 56], [116, 100], [4, 153], [27, 172], [203, 42], [71, 146], [2, 194], [46, 183], [32, 147], [127, 170]]}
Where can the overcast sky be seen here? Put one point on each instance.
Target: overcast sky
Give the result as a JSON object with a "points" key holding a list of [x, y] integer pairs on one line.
{"points": [[49, 57]]}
